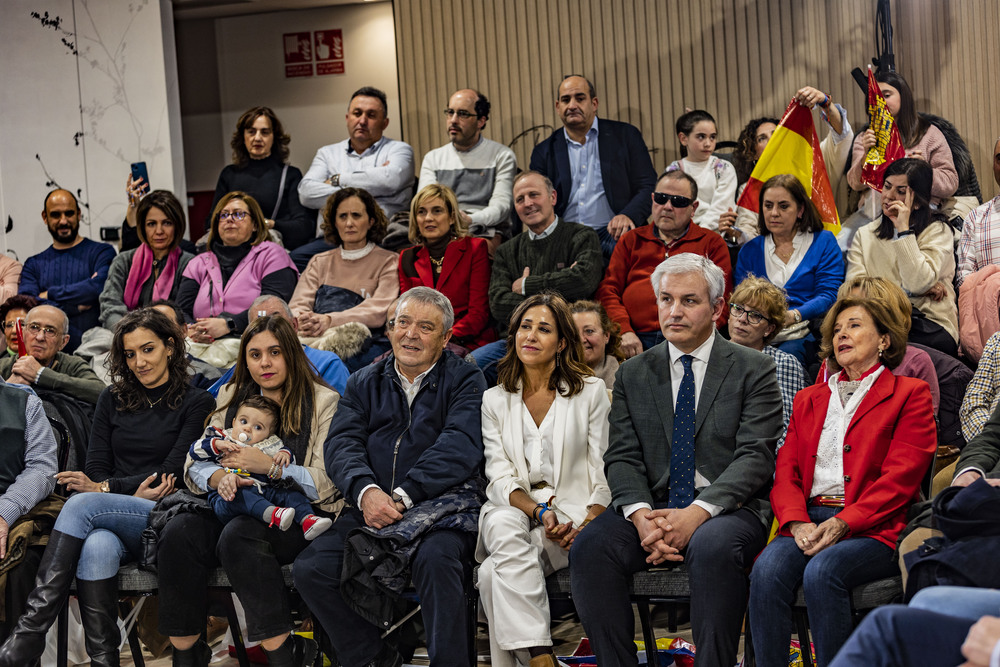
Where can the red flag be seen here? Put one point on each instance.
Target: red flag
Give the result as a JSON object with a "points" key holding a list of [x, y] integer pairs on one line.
{"points": [[888, 146], [22, 349], [794, 149]]}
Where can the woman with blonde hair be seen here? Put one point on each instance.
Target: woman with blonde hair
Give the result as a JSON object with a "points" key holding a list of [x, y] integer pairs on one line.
{"points": [[447, 259]]}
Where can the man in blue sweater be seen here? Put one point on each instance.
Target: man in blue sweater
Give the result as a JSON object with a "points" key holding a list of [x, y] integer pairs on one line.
{"points": [[70, 273]]}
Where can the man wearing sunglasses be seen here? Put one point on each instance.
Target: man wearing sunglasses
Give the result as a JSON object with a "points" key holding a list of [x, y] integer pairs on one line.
{"points": [[478, 170], [601, 168], [46, 366], [70, 273], [625, 291]]}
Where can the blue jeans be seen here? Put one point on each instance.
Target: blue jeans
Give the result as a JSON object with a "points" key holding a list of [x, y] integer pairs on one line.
{"points": [[487, 358], [608, 243], [900, 636], [970, 603], [649, 338], [251, 502], [301, 255], [111, 525], [803, 349], [827, 579]]}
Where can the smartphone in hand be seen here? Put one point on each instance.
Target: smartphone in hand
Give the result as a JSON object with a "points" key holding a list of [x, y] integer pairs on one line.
{"points": [[139, 171]]}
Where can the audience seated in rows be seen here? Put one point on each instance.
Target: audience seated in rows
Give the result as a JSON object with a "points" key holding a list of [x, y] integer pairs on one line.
{"points": [[479, 171], [600, 169], [625, 291], [451, 261], [70, 273]]}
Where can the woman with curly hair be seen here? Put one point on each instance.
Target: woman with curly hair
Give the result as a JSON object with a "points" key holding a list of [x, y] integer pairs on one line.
{"points": [[601, 338], [143, 425], [355, 282], [260, 168]]}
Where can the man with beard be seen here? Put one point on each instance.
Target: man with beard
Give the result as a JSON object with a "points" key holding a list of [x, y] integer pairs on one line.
{"points": [[479, 171], [70, 273]]}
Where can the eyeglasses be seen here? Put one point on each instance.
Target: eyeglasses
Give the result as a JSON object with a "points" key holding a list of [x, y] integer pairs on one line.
{"points": [[235, 215], [753, 317], [50, 332], [461, 113], [676, 201]]}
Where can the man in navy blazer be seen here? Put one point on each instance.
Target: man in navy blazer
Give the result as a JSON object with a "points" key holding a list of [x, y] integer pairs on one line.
{"points": [[601, 168], [695, 395]]}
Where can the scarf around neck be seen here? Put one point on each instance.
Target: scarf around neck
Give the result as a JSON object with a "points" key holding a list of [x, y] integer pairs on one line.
{"points": [[142, 269]]}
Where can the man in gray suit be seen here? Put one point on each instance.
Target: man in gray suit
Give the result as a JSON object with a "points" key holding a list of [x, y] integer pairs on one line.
{"points": [[694, 422]]}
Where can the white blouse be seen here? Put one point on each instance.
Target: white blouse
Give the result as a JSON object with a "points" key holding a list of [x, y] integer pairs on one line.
{"points": [[538, 446], [779, 272]]}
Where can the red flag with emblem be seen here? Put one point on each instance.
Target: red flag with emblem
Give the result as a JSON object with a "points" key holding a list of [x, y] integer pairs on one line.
{"points": [[888, 146]]}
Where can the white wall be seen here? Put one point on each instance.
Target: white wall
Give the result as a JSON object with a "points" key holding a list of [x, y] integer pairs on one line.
{"points": [[104, 72], [247, 53]]}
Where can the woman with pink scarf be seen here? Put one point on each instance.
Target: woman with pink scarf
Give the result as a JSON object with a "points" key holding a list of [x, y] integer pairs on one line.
{"points": [[153, 270]]}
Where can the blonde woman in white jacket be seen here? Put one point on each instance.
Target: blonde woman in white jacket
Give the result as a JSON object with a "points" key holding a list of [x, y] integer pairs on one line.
{"points": [[545, 430]]}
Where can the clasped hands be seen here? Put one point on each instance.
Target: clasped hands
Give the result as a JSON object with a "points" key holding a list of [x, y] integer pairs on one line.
{"points": [[665, 533], [812, 539]]}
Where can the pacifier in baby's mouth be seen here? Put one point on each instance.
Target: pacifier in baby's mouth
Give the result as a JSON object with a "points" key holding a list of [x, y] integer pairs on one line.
{"points": [[244, 437]]}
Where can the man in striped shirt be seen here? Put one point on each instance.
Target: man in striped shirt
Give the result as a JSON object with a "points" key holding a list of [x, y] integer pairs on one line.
{"points": [[980, 244]]}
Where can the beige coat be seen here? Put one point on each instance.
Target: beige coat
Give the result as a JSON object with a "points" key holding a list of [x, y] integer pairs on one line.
{"points": [[325, 405]]}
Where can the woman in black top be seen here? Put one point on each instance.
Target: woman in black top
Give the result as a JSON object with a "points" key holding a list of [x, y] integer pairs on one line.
{"points": [[143, 425], [260, 168]]}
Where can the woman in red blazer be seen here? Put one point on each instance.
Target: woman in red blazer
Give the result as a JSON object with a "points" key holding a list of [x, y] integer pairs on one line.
{"points": [[856, 450], [450, 261]]}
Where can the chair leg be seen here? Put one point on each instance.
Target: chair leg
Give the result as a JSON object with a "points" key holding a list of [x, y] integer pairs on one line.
{"points": [[234, 629], [133, 636], [648, 636], [802, 628], [472, 613]]}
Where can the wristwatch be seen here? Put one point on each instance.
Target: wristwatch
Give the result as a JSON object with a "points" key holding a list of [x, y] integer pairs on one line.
{"points": [[396, 498], [335, 180], [797, 315], [231, 323], [105, 487]]}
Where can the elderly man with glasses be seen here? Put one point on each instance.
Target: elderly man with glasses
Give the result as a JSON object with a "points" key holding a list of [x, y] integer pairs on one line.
{"points": [[46, 366], [478, 170], [625, 291]]}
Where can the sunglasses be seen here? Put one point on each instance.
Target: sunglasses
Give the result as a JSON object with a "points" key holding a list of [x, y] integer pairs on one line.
{"points": [[676, 201]]}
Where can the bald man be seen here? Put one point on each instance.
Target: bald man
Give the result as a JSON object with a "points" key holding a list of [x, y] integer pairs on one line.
{"points": [[69, 274], [479, 171], [46, 366]]}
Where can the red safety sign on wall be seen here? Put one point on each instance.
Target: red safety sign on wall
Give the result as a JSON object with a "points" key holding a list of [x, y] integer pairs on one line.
{"points": [[329, 51], [298, 54]]}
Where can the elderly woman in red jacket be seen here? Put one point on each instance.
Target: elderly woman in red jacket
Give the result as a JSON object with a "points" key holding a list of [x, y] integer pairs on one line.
{"points": [[855, 452], [449, 260]]}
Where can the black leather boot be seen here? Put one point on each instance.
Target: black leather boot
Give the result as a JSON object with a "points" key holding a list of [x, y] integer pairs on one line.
{"points": [[55, 573], [196, 656], [99, 614], [297, 651]]}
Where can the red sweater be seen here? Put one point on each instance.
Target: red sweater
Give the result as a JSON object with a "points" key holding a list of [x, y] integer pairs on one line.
{"points": [[626, 292]]}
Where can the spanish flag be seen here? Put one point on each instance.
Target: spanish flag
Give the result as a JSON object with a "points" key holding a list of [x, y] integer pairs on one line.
{"points": [[794, 149], [888, 146]]}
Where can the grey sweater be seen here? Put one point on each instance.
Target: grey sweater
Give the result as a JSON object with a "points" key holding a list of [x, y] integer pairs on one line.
{"points": [[112, 299]]}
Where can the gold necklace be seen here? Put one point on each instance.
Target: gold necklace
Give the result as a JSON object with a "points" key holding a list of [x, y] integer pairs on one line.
{"points": [[152, 403], [438, 263]]}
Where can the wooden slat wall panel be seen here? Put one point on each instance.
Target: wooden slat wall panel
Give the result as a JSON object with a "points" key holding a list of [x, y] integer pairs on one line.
{"points": [[649, 59]]}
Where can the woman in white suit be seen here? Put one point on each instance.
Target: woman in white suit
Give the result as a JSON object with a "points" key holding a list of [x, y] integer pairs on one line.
{"points": [[545, 429]]}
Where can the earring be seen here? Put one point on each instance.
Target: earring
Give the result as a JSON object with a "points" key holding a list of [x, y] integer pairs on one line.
{"points": [[557, 361], [880, 349]]}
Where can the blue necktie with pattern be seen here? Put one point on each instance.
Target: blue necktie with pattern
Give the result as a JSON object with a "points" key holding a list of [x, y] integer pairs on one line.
{"points": [[682, 445]]}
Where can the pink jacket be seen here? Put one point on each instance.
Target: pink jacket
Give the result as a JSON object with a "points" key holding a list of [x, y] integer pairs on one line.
{"points": [[243, 286], [978, 311]]}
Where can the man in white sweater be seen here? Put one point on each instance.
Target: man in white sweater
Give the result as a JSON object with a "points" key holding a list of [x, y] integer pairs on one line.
{"points": [[481, 172]]}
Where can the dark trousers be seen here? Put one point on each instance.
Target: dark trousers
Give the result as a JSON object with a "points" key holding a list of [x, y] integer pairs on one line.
{"points": [[898, 636], [250, 501], [440, 569], [607, 553], [301, 255], [20, 583], [192, 545]]}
